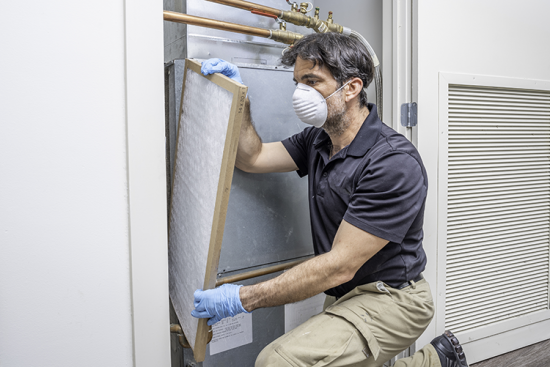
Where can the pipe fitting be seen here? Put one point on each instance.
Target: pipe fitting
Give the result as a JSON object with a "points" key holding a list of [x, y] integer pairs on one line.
{"points": [[176, 329], [294, 17], [316, 24], [334, 27], [305, 7], [285, 36]]}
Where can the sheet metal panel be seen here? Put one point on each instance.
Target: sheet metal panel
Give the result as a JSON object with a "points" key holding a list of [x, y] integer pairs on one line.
{"points": [[268, 216], [175, 41]]}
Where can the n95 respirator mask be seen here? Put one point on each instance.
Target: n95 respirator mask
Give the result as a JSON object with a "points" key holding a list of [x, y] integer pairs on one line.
{"points": [[310, 105]]}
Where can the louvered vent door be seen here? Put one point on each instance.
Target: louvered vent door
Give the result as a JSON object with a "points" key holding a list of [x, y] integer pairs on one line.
{"points": [[498, 205]]}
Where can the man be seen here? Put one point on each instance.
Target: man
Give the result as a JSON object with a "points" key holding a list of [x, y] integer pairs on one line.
{"points": [[367, 189]]}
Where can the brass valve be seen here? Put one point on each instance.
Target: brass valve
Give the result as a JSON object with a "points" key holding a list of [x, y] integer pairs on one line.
{"points": [[316, 24], [316, 16], [285, 36], [303, 7], [329, 20], [282, 26], [295, 8]]}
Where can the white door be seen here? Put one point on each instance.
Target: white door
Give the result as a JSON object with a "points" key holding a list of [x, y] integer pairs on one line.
{"points": [[482, 84]]}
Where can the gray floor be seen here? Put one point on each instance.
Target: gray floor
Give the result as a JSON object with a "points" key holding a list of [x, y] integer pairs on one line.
{"points": [[536, 355]]}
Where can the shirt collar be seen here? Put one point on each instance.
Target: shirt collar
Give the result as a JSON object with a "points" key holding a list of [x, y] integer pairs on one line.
{"points": [[365, 138]]}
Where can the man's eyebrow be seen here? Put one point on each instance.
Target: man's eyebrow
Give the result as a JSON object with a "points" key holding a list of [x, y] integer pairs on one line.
{"points": [[310, 76]]}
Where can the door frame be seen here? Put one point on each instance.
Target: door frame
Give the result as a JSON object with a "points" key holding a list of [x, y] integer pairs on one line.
{"points": [[146, 169]]}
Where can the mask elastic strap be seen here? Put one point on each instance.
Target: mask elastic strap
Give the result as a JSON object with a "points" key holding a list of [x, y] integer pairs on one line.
{"points": [[337, 90]]}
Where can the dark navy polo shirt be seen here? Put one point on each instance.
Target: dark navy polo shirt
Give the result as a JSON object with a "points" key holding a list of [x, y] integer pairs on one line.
{"points": [[378, 184]]}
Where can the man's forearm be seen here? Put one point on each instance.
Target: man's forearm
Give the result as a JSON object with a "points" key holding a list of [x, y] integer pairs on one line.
{"points": [[250, 143], [303, 281]]}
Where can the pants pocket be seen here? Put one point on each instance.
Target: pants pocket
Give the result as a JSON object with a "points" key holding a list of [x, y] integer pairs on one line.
{"points": [[323, 340], [360, 321], [313, 359]]}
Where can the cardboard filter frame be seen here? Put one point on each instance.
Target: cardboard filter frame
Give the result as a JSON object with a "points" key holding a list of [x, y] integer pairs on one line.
{"points": [[185, 255]]}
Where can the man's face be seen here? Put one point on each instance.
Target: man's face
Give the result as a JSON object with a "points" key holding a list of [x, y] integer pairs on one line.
{"points": [[322, 80], [316, 77]]}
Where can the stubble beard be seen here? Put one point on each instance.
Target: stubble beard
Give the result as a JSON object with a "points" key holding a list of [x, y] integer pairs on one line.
{"points": [[337, 120]]}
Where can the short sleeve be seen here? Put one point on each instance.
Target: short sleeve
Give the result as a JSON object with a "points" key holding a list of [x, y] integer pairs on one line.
{"points": [[389, 196], [298, 146]]}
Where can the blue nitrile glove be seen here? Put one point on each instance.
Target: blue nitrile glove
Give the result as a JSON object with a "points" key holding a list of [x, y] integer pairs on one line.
{"points": [[212, 66], [219, 303]]}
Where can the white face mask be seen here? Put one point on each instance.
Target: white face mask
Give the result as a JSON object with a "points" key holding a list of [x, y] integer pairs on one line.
{"points": [[310, 105]]}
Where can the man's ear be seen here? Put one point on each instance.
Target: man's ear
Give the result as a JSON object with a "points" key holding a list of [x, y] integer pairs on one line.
{"points": [[354, 87]]}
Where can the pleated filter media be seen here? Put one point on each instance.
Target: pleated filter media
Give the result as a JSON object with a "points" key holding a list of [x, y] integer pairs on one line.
{"points": [[206, 147]]}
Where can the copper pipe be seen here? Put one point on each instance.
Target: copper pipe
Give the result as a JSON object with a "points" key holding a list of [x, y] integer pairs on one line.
{"points": [[258, 273], [293, 17], [176, 329], [277, 35], [246, 5], [216, 24], [257, 12]]}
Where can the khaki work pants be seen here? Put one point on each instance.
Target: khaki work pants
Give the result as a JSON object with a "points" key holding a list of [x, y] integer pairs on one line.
{"points": [[367, 327]]}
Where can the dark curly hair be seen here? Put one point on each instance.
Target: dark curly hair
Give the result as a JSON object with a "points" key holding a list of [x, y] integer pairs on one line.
{"points": [[345, 57]]}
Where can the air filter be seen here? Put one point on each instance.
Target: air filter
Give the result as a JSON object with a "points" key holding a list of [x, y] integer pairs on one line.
{"points": [[210, 118]]}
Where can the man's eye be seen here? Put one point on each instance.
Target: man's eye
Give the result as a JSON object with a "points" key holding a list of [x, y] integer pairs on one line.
{"points": [[311, 82]]}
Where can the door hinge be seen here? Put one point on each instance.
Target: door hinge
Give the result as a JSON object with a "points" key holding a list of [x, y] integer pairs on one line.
{"points": [[408, 114]]}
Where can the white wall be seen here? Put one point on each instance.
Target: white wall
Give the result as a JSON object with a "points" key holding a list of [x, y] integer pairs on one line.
{"points": [[65, 269], [492, 37]]}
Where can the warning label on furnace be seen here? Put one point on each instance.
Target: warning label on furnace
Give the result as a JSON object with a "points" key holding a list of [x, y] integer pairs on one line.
{"points": [[231, 332]]}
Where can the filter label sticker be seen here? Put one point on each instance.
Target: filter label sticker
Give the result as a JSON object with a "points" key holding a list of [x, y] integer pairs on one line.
{"points": [[231, 332]]}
